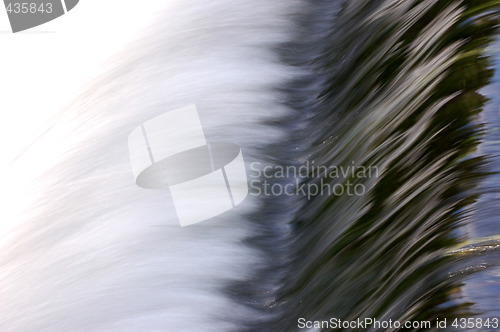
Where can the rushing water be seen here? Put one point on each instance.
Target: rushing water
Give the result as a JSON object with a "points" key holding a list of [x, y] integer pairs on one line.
{"points": [[397, 100], [483, 286], [390, 84]]}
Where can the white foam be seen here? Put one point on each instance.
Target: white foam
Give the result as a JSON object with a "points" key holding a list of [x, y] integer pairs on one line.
{"points": [[94, 252]]}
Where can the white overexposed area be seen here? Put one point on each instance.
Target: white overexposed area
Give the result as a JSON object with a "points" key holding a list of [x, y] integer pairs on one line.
{"points": [[42, 69]]}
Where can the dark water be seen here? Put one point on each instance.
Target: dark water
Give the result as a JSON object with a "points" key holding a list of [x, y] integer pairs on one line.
{"points": [[483, 287], [392, 85]]}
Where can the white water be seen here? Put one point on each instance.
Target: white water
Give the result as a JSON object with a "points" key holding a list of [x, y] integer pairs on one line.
{"points": [[92, 251]]}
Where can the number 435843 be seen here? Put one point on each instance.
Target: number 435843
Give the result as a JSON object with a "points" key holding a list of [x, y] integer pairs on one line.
{"points": [[29, 8], [475, 323]]}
